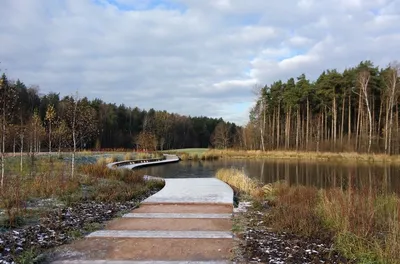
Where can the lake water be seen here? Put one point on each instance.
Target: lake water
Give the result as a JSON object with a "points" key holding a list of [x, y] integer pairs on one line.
{"points": [[320, 174]]}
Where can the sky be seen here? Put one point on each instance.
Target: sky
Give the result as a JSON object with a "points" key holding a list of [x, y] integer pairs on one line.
{"points": [[192, 57]]}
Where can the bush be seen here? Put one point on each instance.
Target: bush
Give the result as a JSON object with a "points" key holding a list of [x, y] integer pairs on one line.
{"points": [[294, 211]]}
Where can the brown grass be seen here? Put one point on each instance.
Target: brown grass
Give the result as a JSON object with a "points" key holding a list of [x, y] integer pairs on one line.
{"points": [[129, 156], [240, 182], [195, 156], [294, 211], [106, 160], [306, 155], [364, 224], [51, 178]]}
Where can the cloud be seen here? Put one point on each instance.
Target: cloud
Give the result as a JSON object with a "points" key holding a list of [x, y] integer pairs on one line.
{"points": [[188, 56]]}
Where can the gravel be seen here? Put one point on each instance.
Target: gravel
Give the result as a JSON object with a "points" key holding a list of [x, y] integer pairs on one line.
{"points": [[60, 226]]}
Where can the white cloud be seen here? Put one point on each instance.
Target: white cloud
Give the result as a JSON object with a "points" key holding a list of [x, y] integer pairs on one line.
{"points": [[189, 56]]}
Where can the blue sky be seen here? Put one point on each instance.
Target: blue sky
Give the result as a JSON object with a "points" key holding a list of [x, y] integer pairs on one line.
{"points": [[194, 57]]}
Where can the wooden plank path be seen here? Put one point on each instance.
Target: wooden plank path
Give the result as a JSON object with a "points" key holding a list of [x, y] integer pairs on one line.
{"points": [[188, 221], [131, 164]]}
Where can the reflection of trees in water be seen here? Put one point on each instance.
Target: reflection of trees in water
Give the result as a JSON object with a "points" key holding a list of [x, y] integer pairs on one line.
{"points": [[326, 175], [320, 174]]}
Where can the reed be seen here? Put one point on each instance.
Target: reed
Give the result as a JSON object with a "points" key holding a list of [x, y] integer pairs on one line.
{"points": [[363, 223], [240, 182]]}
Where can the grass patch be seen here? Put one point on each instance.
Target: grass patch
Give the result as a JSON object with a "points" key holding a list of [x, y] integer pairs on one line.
{"points": [[241, 184], [49, 178], [30, 256], [364, 224], [108, 185]]}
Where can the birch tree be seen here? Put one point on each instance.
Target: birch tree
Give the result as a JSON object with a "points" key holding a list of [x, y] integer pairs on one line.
{"points": [[260, 111], [392, 93], [80, 118], [363, 80]]}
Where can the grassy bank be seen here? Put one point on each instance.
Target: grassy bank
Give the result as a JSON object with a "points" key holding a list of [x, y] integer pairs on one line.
{"points": [[364, 224], [50, 178], [305, 155]]}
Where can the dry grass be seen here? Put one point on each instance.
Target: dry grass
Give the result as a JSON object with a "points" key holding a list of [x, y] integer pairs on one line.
{"points": [[364, 224], [240, 182], [115, 185], [329, 156], [195, 156], [129, 156], [51, 178], [152, 155], [103, 161], [294, 210]]}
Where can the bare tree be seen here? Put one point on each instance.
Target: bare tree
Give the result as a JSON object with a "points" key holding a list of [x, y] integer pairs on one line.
{"points": [[259, 111], [50, 117], [363, 80], [262, 122], [220, 136], [62, 134], [21, 133], [34, 133], [392, 93]]}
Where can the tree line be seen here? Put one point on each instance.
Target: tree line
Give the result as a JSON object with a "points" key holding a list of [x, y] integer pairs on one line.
{"points": [[33, 122], [30, 122], [354, 110]]}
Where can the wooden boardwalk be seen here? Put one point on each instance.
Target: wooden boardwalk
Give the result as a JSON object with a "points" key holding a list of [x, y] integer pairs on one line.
{"points": [[188, 221]]}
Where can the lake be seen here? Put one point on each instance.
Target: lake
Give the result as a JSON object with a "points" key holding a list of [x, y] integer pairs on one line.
{"points": [[322, 174]]}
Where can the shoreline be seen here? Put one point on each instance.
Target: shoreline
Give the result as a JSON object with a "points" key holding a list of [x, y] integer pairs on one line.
{"points": [[215, 154], [347, 224], [309, 156]]}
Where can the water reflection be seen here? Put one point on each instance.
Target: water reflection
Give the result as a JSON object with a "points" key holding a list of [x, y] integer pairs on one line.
{"points": [[319, 174]]}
